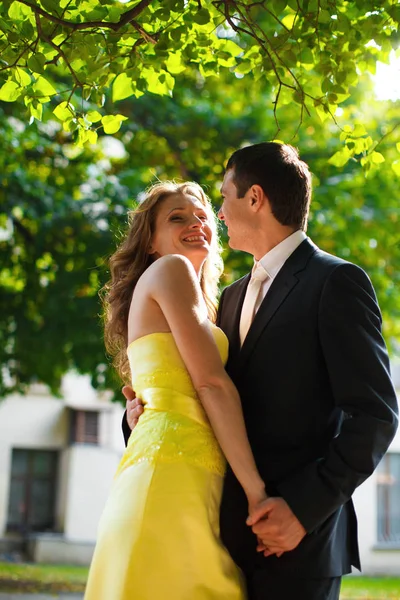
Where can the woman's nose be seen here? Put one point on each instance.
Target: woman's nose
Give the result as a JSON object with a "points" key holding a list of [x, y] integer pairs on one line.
{"points": [[196, 222]]}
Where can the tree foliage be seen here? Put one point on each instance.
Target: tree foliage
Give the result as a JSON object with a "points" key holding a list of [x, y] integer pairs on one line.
{"points": [[62, 208], [75, 54]]}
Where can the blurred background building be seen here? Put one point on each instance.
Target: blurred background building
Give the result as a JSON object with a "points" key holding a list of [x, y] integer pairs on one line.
{"points": [[57, 461], [58, 457]]}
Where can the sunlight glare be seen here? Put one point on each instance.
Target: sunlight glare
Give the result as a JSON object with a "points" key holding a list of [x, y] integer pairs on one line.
{"points": [[387, 79]]}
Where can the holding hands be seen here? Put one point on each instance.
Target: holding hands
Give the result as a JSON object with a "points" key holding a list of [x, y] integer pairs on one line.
{"points": [[277, 529]]}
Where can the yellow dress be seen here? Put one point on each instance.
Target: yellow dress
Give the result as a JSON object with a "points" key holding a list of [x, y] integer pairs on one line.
{"points": [[158, 537]]}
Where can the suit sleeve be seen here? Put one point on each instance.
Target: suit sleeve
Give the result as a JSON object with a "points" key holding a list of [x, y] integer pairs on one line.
{"points": [[358, 368], [219, 313], [126, 430]]}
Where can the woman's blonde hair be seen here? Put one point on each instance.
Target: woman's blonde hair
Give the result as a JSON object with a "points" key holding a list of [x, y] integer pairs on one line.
{"points": [[132, 258]]}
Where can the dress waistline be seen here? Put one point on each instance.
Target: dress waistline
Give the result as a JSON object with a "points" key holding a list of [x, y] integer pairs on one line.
{"points": [[166, 399]]}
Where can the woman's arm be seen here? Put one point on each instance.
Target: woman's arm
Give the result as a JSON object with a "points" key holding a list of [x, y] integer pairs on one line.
{"points": [[175, 287]]}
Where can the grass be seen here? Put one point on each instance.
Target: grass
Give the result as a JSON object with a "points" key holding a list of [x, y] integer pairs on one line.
{"points": [[370, 588], [27, 577]]}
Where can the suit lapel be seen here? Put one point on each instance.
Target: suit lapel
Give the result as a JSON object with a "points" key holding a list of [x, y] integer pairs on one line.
{"points": [[281, 287]]}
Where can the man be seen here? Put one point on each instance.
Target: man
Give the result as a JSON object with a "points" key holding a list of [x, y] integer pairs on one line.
{"points": [[312, 371]]}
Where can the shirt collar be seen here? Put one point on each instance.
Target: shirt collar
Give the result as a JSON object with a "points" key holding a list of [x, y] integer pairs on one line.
{"points": [[274, 260]]}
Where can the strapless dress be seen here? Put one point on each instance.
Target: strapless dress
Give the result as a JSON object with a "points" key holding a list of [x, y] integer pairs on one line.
{"points": [[158, 537]]}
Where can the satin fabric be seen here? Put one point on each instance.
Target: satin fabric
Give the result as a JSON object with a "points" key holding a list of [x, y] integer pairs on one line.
{"points": [[158, 537]]}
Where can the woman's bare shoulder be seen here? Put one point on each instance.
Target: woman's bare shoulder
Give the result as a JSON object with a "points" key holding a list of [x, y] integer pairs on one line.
{"points": [[171, 268]]}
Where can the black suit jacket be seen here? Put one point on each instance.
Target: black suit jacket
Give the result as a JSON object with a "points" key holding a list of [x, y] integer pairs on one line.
{"points": [[319, 406]]}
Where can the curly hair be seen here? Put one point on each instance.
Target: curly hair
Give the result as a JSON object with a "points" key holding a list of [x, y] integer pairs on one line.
{"points": [[132, 258]]}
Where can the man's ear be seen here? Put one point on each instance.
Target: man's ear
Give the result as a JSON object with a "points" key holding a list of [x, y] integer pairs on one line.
{"points": [[257, 197]]}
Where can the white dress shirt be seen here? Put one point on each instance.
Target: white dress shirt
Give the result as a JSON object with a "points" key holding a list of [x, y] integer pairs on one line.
{"points": [[274, 260]]}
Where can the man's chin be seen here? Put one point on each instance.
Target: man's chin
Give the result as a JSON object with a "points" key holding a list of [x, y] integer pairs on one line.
{"points": [[233, 245]]}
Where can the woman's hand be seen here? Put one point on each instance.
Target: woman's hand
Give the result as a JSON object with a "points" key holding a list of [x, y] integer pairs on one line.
{"points": [[255, 499]]}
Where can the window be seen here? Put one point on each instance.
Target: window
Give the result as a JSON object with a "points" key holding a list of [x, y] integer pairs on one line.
{"points": [[84, 427], [31, 505], [388, 474]]}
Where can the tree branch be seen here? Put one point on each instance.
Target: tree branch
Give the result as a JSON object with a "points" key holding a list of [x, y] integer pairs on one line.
{"points": [[125, 19], [58, 49]]}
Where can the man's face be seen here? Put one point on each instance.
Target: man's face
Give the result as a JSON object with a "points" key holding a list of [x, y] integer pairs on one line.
{"points": [[235, 214]]}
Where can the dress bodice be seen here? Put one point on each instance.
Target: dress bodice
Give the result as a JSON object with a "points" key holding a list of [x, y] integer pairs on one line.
{"points": [[174, 426], [160, 378]]}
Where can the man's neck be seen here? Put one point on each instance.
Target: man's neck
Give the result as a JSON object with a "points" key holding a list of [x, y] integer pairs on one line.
{"points": [[270, 240]]}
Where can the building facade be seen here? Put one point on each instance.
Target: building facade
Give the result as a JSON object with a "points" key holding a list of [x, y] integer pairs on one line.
{"points": [[58, 457]]}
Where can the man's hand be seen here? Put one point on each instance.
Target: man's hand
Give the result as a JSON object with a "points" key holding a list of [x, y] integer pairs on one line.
{"points": [[277, 529], [134, 406]]}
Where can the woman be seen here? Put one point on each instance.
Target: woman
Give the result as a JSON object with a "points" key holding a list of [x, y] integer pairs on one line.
{"points": [[159, 534]]}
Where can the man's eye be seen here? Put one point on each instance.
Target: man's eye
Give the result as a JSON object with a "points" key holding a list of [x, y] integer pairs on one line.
{"points": [[203, 217]]}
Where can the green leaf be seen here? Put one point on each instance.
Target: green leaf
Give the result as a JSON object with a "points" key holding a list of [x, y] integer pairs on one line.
{"points": [[174, 63], [396, 167], [307, 56], [326, 85], [22, 77], [377, 158], [321, 111], [10, 91], [19, 11], [112, 123], [324, 16], [114, 14], [244, 67], [51, 6], [36, 62], [36, 110], [340, 158], [229, 47], [122, 87], [158, 83], [43, 87], [70, 124], [92, 136], [93, 116], [279, 6], [201, 17], [64, 111], [359, 130]]}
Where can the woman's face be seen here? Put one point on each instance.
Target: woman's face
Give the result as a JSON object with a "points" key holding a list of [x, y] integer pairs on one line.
{"points": [[182, 227]]}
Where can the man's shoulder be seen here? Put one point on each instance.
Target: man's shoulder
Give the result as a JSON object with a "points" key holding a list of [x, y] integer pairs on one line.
{"points": [[236, 284], [330, 262]]}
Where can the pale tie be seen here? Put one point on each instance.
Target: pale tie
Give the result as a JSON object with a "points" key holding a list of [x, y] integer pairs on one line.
{"points": [[258, 276]]}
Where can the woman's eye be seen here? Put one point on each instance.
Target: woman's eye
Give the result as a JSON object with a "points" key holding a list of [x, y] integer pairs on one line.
{"points": [[176, 218]]}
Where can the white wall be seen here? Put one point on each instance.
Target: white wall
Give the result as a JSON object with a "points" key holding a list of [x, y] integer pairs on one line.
{"points": [[90, 475], [376, 560]]}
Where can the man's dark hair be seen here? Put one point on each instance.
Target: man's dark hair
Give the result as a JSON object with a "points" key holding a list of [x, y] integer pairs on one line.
{"points": [[284, 178]]}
